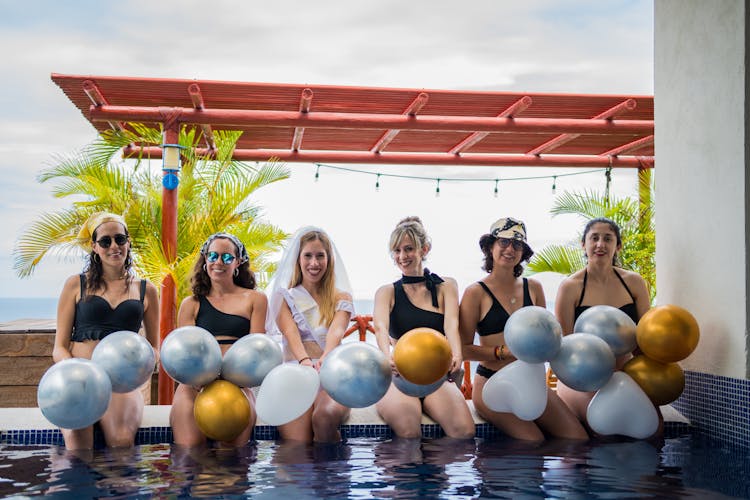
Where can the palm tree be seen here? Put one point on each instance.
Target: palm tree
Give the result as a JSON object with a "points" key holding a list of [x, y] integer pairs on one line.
{"points": [[214, 195], [636, 221]]}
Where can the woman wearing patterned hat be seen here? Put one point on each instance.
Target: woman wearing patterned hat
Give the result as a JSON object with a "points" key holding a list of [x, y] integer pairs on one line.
{"points": [[225, 303], [420, 299], [485, 308], [105, 298], [601, 282]]}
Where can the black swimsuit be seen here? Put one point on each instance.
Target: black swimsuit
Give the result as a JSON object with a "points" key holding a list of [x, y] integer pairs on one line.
{"points": [[221, 323], [495, 319], [628, 309], [405, 316], [95, 318]]}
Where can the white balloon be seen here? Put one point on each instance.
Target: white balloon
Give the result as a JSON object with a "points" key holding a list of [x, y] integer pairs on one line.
{"points": [[621, 407], [287, 392], [519, 388]]}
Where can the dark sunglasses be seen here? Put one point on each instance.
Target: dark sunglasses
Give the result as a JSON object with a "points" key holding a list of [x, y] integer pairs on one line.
{"points": [[106, 241], [226, 258], [505, 242]]}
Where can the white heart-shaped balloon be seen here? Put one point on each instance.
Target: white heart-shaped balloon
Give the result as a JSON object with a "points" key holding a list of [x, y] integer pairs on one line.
{"points": [[519, 388], [287, 392], [621, 407]]}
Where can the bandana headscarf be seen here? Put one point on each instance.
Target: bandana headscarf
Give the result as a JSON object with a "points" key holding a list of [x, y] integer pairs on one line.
{"points": [[86, 234], [242, 253]]}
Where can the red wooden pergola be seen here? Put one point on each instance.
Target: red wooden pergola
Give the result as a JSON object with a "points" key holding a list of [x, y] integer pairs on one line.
{"points": [[364, 125]]}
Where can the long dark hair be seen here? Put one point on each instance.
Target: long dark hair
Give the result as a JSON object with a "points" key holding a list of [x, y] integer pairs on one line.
{"points": [[486, 241], [94, 272], [612, 225], [201, 283]]}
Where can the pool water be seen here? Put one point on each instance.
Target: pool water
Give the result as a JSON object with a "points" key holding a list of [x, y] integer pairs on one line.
{"points": [[678, 467]]}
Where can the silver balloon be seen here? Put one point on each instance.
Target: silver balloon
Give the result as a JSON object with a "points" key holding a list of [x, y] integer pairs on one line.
{"points": [[74, 393], [250, 359], [191, 356], [356, 374], [584, 363], [127, 358], [421, 391], [533, 334], [610, 324]]}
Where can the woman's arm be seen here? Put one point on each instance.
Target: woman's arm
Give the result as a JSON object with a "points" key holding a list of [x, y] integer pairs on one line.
{"points": [[259, 310], [450, 324], [188, 311], [537, 293], [290, 331], [381, 318], [66, 311], [468, 316], [565, 305], [642, 295], [151, 316], [337, 328]]}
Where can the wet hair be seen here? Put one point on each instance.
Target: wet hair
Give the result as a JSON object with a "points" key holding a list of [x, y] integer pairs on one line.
{"points": [[410, 226], [327, 303], [94, 271], [612, 225], [200, 282], [487, 241]]}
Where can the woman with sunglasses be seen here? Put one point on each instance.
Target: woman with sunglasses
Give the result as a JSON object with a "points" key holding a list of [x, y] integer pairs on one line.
{"points": [[420, 299], [225, 303], [310, 306], [601, 282], [105, 298], [485, 308]]}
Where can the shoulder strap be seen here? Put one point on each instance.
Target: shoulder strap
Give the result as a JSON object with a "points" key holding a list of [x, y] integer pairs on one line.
{"points": [[489, 292], [623, 284], [143, 289], [526, 294], [83, 284], [583, 290]]}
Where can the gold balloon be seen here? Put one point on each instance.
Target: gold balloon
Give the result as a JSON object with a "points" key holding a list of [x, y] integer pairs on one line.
{"points": [[662, 382], [222, 410], [422, 356], [667, 333]]}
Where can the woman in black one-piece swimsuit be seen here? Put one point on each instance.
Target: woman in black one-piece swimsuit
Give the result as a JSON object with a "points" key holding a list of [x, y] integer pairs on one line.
{"points": [[599, 283]]}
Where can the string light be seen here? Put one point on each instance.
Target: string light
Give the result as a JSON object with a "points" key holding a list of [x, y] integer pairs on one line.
{"points": [[437, 180]]}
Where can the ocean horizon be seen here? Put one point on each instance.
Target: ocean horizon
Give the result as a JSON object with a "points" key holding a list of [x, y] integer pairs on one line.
{"points": [[15, 308]]}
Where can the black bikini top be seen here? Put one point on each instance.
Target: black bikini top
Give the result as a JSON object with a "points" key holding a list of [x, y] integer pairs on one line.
{"points": [[405, 316], [628, 309], [95, 318], [495, 319], [220, 323]]}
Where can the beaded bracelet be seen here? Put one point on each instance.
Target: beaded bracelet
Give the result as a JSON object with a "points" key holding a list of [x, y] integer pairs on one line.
{"points": [[306, 357]]}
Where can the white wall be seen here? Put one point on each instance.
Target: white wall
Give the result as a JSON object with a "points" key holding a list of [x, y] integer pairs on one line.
{"points": [[700, 175]]}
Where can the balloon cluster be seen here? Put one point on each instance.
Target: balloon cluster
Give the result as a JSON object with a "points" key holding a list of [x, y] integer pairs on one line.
{"points": [[585, 361], [192, 356], [75, 393]]}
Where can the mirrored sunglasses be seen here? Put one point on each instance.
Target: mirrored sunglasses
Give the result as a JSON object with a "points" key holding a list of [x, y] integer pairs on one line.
{"points": [[504, 242], [106, 241], [226, 258]]}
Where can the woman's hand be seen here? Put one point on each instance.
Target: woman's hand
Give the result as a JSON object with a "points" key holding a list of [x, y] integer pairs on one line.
{"points": [[456, 362]]}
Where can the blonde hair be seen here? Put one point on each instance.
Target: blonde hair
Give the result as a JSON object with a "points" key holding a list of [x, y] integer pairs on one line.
{"points": [[327, 303], [410, 226]]}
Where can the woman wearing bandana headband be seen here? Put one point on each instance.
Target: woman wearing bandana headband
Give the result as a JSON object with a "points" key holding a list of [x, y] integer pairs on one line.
{"points": [[225, 303], [420, 299], [485, 308], [105, 298]]}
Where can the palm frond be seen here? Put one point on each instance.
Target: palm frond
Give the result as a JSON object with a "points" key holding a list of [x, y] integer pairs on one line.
{"points": [[562, 259]]}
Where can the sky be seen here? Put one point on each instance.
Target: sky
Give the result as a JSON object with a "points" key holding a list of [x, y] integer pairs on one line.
{"points": [[574, 46]]}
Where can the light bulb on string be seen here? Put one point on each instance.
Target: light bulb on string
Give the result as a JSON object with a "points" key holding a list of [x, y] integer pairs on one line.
{"points": [[554, 184], [496, 189], [437, 189], [377, 183], [317, 172]]}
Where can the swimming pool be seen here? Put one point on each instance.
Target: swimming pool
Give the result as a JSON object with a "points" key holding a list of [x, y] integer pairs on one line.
{"points": [[680, 466]]}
